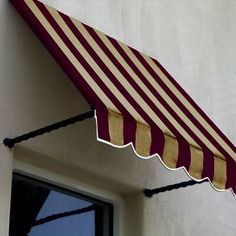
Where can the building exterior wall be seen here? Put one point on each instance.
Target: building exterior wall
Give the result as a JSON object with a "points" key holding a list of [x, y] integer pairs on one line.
{"points": [[194, 40]]}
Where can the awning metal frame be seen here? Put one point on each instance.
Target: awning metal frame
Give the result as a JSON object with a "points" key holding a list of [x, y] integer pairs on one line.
{"points": [[150, 192], [10, 142]]}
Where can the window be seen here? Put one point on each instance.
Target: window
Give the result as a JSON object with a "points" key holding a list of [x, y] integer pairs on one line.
{"points": [[41, 209]]}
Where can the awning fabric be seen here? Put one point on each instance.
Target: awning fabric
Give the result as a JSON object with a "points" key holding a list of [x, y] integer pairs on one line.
{"points": [[136, 100]]}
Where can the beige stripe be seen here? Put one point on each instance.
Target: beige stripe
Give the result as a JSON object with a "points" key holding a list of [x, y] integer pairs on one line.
{"points": [[143, 140], [172, 104], [189, 106], [196, 165], [116, 128], [220, 175], [70, 55], [170, 153], [106, 80]]}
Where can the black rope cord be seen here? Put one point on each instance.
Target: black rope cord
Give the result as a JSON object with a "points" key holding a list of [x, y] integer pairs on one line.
{"points": [[151, 192], [10, 142]]}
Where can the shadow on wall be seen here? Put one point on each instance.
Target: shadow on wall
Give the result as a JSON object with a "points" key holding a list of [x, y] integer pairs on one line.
{"points": [[69, 170]]}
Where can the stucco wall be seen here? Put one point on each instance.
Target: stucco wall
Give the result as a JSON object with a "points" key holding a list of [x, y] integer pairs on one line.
{"points": [[194, 40]]}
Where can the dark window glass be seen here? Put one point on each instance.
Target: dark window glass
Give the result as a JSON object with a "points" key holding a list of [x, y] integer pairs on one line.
{"points": [[41, 209]]}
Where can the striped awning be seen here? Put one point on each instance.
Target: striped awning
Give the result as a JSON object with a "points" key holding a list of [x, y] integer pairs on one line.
{"points": [[137, 102]]}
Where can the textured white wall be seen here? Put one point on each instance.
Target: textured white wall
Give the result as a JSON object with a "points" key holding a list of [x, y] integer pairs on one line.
{"points": [[194, 40]]}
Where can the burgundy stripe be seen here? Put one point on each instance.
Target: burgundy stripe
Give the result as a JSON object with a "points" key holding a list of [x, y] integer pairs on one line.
{"points": [[158, 142], [56, 52], [103, 123], [184, 154], [208, 165], [231, 171], [182, 107], [190, 100], [129, 131]]}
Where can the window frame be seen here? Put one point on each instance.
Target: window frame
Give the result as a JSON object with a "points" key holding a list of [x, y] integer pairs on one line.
{"points": [[103, 210], [76, 186]]}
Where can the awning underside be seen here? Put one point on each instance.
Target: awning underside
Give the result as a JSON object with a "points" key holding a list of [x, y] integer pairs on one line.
{"points": [[136, 100]]}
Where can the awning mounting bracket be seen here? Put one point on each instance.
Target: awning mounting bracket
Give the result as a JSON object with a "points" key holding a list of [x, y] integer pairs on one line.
{"points": [[150, 192], [10, 142]]}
